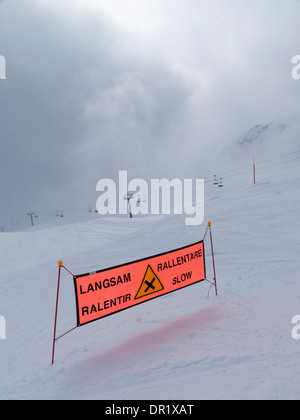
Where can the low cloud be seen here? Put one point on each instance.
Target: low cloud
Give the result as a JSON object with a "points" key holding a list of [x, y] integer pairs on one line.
{"points": [[92, 89]]}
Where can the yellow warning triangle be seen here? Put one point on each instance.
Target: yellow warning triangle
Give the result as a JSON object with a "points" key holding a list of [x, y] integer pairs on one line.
{"points": [[151, 284]]}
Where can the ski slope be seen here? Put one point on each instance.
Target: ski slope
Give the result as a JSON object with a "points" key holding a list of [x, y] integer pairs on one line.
{"points": [[181, 346]]}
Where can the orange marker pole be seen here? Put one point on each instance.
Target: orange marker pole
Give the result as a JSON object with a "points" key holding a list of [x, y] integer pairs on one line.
{"points": [[213, 259], [60, 265], [254, 170]]}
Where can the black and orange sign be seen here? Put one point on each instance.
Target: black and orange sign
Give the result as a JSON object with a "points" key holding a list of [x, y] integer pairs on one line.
{"points": [[117, 288], [151, 284]]}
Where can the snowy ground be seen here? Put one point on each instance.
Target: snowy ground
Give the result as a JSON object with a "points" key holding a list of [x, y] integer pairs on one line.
{"points": [[181, 346]]}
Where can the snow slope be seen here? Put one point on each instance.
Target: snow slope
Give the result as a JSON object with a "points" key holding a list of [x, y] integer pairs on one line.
{"points": [[181, 346]]}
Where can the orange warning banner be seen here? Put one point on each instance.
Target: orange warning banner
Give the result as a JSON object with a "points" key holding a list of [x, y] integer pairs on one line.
{"points": [[114, 289]]}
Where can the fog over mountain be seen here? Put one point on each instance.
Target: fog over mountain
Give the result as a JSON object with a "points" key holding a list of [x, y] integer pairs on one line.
{"points": [[95, 87]]}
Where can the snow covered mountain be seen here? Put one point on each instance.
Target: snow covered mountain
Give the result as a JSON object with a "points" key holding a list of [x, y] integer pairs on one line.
{"points": [[181, 346], [284, 130]]}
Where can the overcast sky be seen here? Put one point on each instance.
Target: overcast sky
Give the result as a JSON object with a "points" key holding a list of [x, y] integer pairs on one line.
{"points": [[149, 86]]}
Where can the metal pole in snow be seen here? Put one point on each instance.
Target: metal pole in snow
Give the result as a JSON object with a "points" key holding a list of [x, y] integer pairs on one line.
{"points": [[213, 258], [254, 170], [60, 265]]}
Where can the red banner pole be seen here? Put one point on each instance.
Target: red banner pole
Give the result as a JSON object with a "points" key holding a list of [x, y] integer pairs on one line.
{"points": [[254, 170], [60, 265], [213, 258]]}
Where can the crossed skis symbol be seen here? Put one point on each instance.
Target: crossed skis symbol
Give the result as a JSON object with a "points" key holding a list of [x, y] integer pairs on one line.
{"points": [[150, 285]]}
